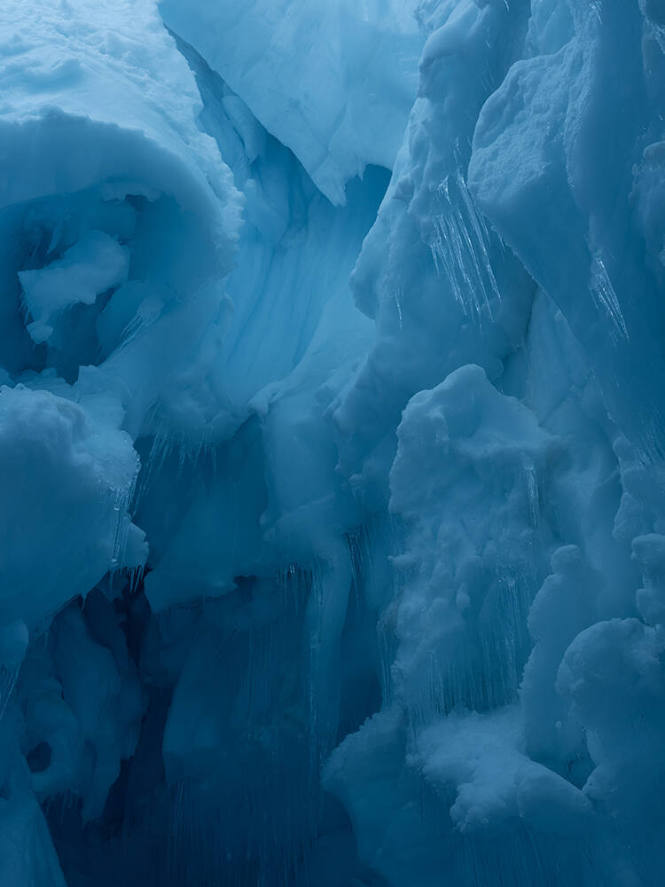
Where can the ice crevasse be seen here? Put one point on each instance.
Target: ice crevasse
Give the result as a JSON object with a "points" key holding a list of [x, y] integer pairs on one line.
{"points": [[332, 443]]}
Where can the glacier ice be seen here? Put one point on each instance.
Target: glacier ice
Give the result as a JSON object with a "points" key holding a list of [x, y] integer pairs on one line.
{"points": [[314, 74], [331, 443]]}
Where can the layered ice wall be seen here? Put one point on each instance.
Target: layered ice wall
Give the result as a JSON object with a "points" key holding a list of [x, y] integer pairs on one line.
{"points": [[331, 443], [315, 74]]}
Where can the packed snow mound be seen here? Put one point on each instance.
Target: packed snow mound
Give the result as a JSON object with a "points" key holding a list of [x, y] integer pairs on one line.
{"points": [[93, 265], [67, 484], [116, 211], [333, 81], [111, 63], [496, 784], [114, 64]]}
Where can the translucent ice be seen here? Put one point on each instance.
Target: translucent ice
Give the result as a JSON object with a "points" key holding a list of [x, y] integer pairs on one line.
{"points": [[332, 524]]}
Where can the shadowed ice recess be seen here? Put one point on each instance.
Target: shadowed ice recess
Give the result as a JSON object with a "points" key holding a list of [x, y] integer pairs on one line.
{"points": [[332, 443]]}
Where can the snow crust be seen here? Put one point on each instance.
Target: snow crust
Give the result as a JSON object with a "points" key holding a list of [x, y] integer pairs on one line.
{"points": [[332, 527]]}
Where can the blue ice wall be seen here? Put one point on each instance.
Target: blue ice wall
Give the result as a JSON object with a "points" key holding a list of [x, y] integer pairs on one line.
{"points": [[332, 506]]}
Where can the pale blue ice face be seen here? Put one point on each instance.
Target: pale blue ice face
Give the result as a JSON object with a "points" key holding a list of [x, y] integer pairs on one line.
{"points": [[332, 494]]}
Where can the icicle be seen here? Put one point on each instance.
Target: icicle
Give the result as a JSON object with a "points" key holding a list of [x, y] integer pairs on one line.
{"points": [[606, 299], [460, 250], [532, 493], [8, 678]]}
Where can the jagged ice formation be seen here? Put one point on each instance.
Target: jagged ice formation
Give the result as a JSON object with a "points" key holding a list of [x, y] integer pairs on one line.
{"points": [[332, 443]]}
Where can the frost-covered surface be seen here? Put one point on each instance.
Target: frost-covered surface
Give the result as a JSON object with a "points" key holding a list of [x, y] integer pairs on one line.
{"points": [[332, 81], [331, 443]]}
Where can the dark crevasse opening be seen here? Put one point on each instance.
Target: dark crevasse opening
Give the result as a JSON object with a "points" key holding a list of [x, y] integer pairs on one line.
{"points": [[223, 785]]}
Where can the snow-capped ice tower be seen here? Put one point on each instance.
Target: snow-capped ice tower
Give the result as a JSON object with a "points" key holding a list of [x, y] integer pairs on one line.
{"points": [[332, 443]]}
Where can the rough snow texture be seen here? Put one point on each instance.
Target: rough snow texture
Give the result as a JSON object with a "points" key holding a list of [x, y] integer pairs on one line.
{"points": [[331, 443]]}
